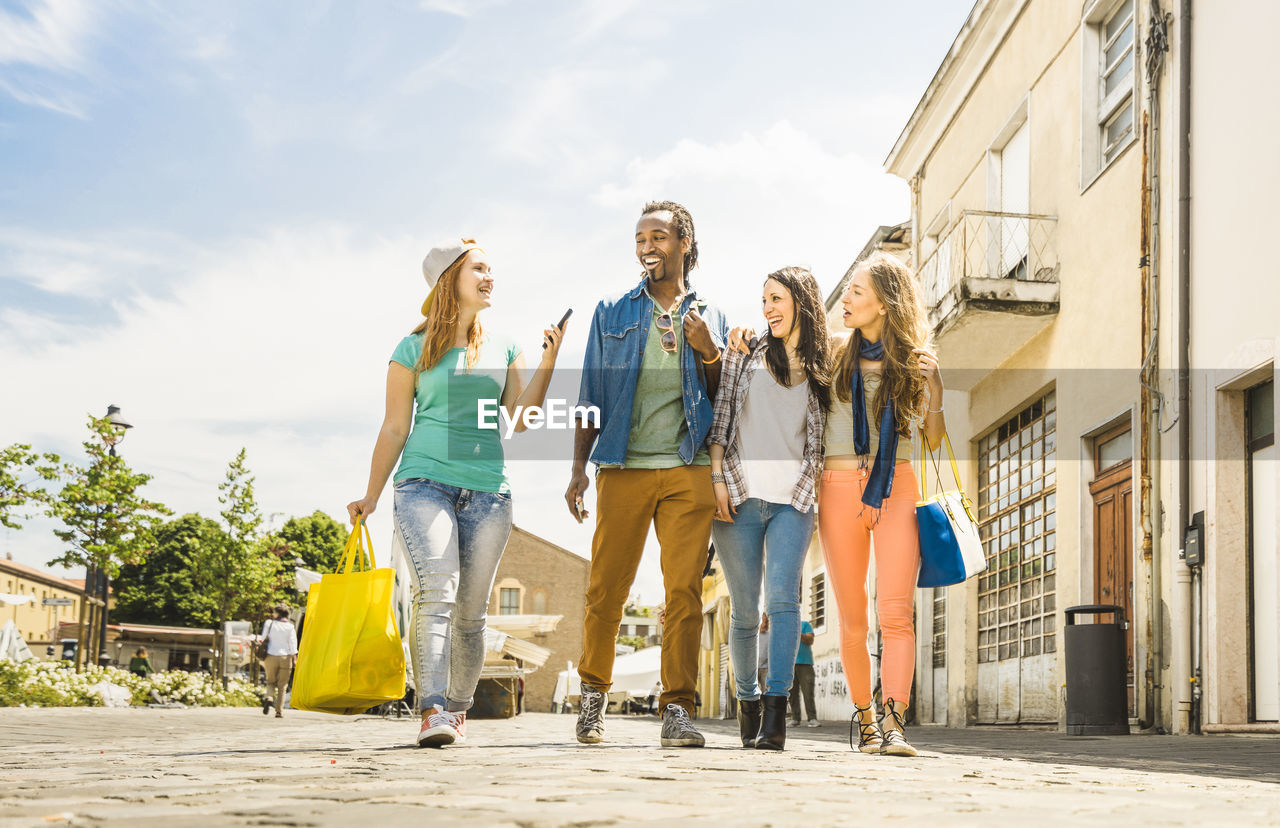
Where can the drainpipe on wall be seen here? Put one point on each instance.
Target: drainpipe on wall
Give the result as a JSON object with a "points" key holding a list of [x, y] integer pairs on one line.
{"points": [[1144, 429], [1147, 439], [1152, 400], [1184, 349]]}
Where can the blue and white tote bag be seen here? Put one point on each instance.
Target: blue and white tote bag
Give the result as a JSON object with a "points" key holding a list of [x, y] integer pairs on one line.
{"points": [[950, 548]]}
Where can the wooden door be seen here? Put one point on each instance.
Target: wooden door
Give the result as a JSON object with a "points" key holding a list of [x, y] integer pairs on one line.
{"points": [[1112, 492]]}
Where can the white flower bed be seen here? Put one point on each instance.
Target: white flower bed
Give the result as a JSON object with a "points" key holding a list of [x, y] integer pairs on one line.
{"points": [[55, 684]]}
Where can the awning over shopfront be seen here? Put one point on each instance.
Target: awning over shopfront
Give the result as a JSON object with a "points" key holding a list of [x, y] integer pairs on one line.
{"points": [[500, 646]]}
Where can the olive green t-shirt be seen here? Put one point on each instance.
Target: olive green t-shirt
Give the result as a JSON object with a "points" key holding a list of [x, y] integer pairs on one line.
{"points": [[658, 424]]}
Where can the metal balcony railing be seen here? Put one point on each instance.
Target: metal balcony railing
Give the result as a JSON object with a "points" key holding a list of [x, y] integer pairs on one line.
{"points": [[990, 245]]}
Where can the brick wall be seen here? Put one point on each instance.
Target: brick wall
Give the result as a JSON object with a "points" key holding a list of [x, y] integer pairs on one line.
{"points": [[551, 581]]}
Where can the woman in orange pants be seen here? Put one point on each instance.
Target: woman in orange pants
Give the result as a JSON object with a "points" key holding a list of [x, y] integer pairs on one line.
{"points": [[886, 384]]}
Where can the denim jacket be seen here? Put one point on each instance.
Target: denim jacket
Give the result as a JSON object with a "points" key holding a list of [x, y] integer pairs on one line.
{"points": [[615, 350]]}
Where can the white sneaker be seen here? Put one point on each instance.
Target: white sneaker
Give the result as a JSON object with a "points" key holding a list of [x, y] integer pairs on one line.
{"points": [[792, 723], [813, 723], [443, 728]]}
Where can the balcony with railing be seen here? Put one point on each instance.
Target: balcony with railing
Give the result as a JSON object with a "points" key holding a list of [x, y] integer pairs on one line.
{"points": [[990, 285]]}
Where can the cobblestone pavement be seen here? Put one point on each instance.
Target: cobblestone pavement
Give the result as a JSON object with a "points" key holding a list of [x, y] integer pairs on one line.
{"points": [[149, 767]]}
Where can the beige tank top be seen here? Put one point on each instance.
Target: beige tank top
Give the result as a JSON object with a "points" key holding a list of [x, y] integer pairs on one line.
{"points": [[837, 439]]}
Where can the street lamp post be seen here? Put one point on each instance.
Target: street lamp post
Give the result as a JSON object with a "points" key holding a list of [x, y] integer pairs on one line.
{"points": [[103, 582]]}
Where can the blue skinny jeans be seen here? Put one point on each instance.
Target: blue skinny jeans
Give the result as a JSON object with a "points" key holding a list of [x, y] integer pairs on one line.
{"points": [[766, 543], [455, 539]]}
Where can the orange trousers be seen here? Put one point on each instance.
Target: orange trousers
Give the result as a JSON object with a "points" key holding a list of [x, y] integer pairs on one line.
{"points": [[845, 526]]}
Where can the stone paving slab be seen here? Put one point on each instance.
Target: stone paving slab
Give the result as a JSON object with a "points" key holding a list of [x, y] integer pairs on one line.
{"points": [[148, 767]]}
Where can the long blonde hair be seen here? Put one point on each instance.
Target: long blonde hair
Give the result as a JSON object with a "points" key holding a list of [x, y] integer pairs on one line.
{"points": [[441, 325], [905, 327]]}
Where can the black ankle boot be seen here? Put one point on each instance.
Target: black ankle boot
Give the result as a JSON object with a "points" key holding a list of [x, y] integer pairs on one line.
{"points": [[749, 721], [773, 723]]}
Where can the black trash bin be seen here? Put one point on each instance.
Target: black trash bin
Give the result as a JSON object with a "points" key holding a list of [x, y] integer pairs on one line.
{"points": [[1097, 696]]}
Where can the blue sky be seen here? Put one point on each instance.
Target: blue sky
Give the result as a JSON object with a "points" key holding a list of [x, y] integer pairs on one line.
{"points": [[213, 215]]}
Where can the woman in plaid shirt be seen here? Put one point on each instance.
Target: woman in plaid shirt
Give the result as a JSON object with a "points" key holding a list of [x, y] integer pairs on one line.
{"points": [[766, 457]]}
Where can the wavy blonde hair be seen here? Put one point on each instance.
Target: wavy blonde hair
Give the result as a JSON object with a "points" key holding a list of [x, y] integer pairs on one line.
{"points": [[905, 327], [440, 327]]}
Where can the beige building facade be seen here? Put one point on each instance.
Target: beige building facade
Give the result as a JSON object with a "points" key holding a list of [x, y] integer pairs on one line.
{"points": [[1110, 377], [1025, 172], [27, 590], [1225, 658], [539, 596]]}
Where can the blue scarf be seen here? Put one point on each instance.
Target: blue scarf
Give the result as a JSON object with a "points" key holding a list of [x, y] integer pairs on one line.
{"points": [[880, 483]]}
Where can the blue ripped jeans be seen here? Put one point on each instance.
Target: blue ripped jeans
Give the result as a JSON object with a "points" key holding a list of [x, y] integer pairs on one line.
{"points": [[455, 539], [766, 542]]}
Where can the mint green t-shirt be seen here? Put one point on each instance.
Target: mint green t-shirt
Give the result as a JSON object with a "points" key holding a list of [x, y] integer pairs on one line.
{"points": [[446, 443], [658, 424]]}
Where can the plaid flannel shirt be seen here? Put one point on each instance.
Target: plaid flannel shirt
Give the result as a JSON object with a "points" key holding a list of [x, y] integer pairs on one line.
{"points": [[735, 380]]}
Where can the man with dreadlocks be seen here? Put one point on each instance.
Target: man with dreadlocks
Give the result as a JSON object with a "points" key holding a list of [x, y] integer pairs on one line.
{"points": [[652, 369]]}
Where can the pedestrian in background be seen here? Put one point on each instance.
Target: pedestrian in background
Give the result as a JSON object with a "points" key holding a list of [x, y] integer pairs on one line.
{"points": [[802, 684], [140, 665], [452, 495], [282, 654]]}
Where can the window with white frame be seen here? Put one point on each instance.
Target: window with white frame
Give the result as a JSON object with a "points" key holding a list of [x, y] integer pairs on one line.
{"points": [[1017, 513], [509, 601], [1116, 73], [1110, 107]]}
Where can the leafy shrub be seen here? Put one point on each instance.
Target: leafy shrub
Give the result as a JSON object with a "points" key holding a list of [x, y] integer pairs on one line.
{"points": [[56, 684]]}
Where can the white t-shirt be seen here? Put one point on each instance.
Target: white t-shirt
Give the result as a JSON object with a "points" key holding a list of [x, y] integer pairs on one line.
{"points": [[282, 638], [771, 434]]}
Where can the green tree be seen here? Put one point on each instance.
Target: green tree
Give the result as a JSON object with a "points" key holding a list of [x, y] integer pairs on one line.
{"points": [[162, 589], [20, 467], [317, 539], [107, 522], [634, 607], [240, 513], [242, 575]]}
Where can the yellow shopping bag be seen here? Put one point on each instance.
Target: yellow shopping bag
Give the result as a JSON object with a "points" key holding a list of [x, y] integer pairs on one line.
{"points": [[350, 658]]}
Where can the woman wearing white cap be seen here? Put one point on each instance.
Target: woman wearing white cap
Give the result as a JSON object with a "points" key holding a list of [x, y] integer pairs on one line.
{"points": [[452, 498]]}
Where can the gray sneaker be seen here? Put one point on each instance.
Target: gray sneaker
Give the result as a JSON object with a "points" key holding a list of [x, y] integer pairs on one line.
{"points": [[591, 715], [678, 729]]}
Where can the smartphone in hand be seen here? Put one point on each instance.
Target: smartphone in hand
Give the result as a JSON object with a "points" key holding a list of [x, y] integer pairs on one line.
{"points": [[560, 324]]}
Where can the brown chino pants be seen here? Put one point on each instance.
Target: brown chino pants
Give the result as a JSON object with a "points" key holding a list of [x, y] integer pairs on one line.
{"points": [[679, 504], [279, 669]]}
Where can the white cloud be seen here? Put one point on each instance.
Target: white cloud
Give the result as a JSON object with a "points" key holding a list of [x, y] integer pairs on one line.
{"points": [[459, 8], [43, 97], [51, 35], [100, 265], [37, 46], [275, 343], [763, 201], [595, 17]]}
